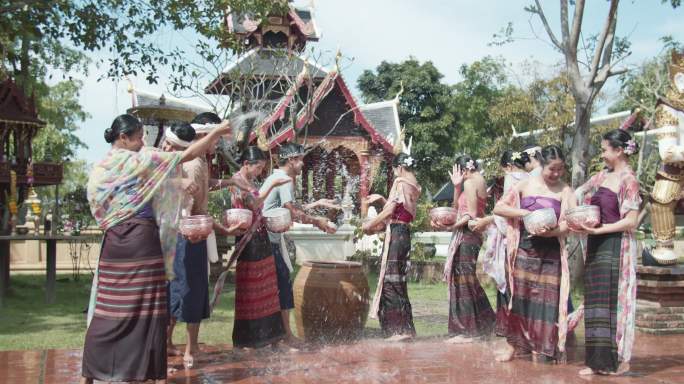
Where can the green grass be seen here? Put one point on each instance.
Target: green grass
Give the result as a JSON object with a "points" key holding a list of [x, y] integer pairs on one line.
{"points": [[28, 323]]}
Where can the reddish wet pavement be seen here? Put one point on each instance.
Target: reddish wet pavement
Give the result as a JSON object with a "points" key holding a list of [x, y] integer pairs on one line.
{"points": [[657, 359]]}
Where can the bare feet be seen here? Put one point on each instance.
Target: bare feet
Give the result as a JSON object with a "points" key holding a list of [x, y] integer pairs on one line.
{"points": [[294, 342], [188, 361], [507, 355], [398, 338], [586, 372], [459, 339], [622, 369], [289, 345]]}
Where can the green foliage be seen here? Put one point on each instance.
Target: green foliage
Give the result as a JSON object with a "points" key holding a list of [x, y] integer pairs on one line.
{"points": [[75, 210], [59, 107], [482, 86], [127, 29], [421, 222], [442, 119], [422, 252], [642, 86], [424, 111], [542, 103], [219, 201]]}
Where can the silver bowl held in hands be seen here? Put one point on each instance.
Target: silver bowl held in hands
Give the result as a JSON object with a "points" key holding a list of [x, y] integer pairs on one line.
{"points": [[544, 218], [278, 220]]}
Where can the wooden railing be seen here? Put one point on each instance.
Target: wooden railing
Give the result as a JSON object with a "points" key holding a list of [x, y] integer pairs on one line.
{"points": [[43, 173]]}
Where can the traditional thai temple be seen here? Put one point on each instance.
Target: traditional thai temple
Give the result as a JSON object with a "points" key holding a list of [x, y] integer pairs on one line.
{"points": [[19, 124], [308, 104]]}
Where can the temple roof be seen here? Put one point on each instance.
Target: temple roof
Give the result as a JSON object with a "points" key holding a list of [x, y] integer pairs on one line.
{"points": [[150, 105], [384, 117], [379, 120], [263, 63], [15, 107], [299, 17]]}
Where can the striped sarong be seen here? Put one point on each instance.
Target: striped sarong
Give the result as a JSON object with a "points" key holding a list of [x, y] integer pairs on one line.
{"points": [[601, 276], [532, 321], [258, 321], [395, 312], [470, 313], [126, 340]]}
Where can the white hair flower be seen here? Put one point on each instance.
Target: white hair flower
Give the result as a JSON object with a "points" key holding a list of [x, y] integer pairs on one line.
{"points": [[516, 156], [409, 161], [630, 147], [470, 164]]}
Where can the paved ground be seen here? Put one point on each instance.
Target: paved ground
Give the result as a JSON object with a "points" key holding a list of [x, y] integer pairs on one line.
{"points": [[657, 359]]}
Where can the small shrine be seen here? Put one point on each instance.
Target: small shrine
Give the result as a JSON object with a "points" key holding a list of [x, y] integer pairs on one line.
{"points": [[347, 142], [19, 124]]}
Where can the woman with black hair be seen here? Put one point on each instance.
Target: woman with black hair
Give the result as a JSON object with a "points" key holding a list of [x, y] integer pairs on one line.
{"points": [[391, 302], [610, 261], [470, 313], [494, 259], [538, 268], [533, 159], [258, 321], [132, 199]]}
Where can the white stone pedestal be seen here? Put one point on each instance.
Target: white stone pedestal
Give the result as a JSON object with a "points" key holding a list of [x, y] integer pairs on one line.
{"points": [[314, 244]]}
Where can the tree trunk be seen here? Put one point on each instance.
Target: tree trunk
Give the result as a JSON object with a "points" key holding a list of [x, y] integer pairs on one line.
{"points": [[580, 144]]}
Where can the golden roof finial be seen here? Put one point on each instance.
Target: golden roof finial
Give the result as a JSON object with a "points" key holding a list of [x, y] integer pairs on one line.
{"points": [[338, 57], [401, 91], [399, 142]]}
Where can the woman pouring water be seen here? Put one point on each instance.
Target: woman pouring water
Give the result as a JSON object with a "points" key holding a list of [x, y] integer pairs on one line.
{"points": [[131, 196]]}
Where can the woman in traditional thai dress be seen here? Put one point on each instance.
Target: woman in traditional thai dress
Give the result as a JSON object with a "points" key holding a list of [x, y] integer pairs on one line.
{"points": [[495, 227], [538, 266], [533, 160], [391, 302], [470, 313], [610, 261], [129, 196], [257, 308]]}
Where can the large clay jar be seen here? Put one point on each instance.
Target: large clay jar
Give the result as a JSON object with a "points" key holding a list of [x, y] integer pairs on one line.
{"points": [[331, 301]]}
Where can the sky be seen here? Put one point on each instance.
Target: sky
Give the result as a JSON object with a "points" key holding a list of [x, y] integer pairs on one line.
{"points": [[448, 33]]}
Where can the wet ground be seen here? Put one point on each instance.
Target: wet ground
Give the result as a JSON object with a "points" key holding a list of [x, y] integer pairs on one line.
{"points": [[657, 359]]}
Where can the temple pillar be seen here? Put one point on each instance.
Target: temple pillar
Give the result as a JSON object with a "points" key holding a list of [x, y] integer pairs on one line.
{"points": [[305, 182], [330, 181], [364, 181]]}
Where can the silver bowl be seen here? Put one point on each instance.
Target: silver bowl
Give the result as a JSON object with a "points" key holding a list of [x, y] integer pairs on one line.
{"points": [[238, 216], [444, 215], [589, 215], [278, 220], [197, 225], [541, 218]]}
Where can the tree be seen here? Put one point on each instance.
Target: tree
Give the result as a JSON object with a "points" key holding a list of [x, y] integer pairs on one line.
{"points": [[57, 32], [444, 120], [425, 111], [482, 86], [603, 51], [539, 104], [59, 107], [641, 88], [586, 78]]}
